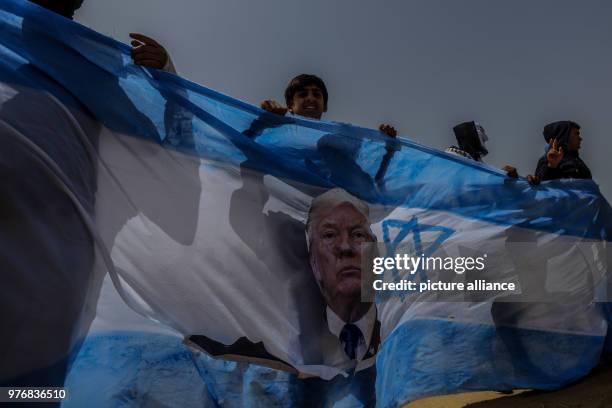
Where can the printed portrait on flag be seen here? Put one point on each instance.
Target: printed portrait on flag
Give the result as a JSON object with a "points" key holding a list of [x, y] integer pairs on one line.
{"points": [[337, 328], [338, 224]]}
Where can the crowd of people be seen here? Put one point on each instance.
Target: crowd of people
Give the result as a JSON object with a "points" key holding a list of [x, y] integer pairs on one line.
{"points": [[307, 96], [353, 322]]}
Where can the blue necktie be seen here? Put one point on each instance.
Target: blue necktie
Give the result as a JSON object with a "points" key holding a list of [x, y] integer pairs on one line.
{"points": [[350, 336]]}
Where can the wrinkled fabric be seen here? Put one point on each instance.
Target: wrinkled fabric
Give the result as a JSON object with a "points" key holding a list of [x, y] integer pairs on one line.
{"points": [[199, 227]]}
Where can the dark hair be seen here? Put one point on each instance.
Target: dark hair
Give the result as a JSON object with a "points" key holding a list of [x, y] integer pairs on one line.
{"points": [[560, 131], [302, 81]]}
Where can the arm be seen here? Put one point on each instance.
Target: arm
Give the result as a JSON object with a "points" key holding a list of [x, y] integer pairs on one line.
{"points": [[388, 130], [273, 107], [390, 147], [510, 171], [177, 120], [513, 173], [544, 172], [149, 53], [548, 166]]}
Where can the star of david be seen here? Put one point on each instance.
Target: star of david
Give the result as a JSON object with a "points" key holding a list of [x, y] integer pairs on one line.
{"points": [[412, 229]]}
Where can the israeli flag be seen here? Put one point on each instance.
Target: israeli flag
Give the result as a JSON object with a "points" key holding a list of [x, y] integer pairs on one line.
{"points": [[167, 245]]}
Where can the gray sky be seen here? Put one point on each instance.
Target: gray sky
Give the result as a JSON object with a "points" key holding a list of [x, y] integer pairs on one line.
{"points": [[422, 66]]}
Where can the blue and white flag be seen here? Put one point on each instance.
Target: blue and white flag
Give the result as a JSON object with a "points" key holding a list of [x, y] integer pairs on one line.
{"points": [[164, 244]]}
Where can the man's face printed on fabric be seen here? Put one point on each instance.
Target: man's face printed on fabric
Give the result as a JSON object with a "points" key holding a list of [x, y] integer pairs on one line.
{"points": [[336, 250]]}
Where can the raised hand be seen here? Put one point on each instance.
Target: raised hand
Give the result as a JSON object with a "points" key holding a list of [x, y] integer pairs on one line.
{"points": [[148, 52], [533, 180], [554, 155], [274, 107], [388, 130], [511, 171]]}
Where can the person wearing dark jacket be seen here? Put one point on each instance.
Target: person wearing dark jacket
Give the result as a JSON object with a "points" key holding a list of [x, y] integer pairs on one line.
{"points": [[471, 138], [562, 159]]}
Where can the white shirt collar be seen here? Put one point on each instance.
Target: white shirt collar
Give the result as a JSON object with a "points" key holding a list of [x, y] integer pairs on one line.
{"points": [[365, 324]]}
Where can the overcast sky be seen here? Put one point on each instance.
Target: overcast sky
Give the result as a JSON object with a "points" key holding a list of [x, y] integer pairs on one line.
{"points": [[422, 66]]}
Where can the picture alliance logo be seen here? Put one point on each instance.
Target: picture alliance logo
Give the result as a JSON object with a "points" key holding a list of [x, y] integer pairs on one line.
{"points": [[405, 262]]}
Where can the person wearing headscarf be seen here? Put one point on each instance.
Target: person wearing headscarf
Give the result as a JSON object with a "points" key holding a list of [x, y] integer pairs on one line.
{"points": [[471, 138], [562, 159]]}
